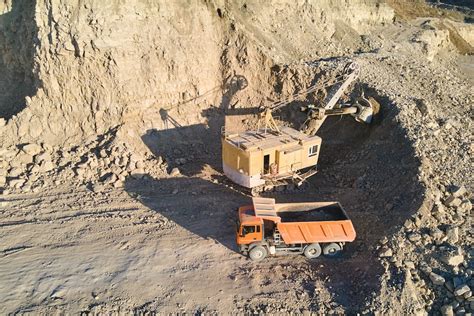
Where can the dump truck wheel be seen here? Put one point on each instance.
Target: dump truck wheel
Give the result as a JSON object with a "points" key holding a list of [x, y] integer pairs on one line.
{"points": [[331, 249], [312, 251], [257, 253]]}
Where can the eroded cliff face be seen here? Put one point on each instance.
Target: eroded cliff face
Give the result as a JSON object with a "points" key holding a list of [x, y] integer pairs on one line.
{"points": [[97, 61], [82, 68], [289, 31]]}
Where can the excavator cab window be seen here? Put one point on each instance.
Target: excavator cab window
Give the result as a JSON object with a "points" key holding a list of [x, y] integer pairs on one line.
{"points": [[313, 151]]}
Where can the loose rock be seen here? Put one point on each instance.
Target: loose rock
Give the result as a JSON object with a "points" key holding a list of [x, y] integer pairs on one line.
{"points": [[137, 173], [447, 310], [459, 191], [461, 290], [46, 166], [386, 252], [437, 279], [15, 172], [414, 237], [452, 258], [452, 233], [32, 149], [175, 172], [23, 158], [436, 233], [16, 183], [452, 201]]}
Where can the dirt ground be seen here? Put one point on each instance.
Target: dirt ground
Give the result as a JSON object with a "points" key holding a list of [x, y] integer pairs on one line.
{"points": [[171, 242], [113, 196]]}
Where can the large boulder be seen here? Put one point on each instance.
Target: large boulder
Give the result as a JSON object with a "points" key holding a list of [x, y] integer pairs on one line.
{"points": [[31, 149]]}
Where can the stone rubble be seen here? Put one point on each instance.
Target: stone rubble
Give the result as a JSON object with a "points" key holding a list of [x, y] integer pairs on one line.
{"points": [[34, 167]]}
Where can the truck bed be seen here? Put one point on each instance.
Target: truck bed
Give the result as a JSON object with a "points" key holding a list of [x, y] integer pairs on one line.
{"points": [[297, 213], [310, 222]]}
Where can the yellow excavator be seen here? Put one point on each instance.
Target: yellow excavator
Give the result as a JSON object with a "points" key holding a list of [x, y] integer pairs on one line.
{"points": [[273, 156]]}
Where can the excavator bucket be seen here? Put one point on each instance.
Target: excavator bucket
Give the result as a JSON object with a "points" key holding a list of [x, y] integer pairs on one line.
{"points": [[367, 110]]}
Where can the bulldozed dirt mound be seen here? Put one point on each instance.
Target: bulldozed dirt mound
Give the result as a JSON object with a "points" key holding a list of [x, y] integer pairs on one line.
{"points": [[113, 196]]}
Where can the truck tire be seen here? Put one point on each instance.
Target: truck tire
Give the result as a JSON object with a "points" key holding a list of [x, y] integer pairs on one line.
{"points": [[257, 253], [312, 251], [331, 249]]}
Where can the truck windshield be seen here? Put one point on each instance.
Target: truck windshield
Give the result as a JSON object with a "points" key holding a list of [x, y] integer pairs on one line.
{"points": [[248, 230]]}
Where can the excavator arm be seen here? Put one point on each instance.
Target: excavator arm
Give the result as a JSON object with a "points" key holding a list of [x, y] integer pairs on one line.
{"points": [[362, 110]]}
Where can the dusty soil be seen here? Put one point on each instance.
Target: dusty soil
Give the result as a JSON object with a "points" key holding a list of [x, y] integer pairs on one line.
{"points": [[113, 197]]}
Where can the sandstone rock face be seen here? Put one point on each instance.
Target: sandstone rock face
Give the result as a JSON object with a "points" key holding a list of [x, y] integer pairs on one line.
{"points": [[99, 64], [125, 64]]}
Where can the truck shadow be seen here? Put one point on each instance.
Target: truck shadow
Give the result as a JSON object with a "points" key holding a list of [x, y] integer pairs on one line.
{"points": [[201, 207]]}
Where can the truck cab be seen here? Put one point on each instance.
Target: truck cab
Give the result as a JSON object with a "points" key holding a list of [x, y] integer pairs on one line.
{"points": [[249, 227]]}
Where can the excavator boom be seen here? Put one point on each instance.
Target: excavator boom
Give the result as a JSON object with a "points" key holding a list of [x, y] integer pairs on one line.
{"points": [[317, 115], [362, 111]]}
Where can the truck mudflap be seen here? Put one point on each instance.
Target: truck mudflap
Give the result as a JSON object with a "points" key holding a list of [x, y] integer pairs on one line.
{"points": [[243, 248], [272, 250]]}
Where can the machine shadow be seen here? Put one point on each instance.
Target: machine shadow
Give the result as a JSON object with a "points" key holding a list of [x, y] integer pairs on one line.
{"points": [[18, 33], [191, 147], [373, 172], [201, 207]]}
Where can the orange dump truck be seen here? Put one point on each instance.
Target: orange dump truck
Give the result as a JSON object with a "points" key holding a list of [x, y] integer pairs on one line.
{"points": [[309, 228]]}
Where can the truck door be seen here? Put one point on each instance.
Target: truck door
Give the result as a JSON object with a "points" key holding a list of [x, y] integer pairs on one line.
{"points": [[251, 233]]}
